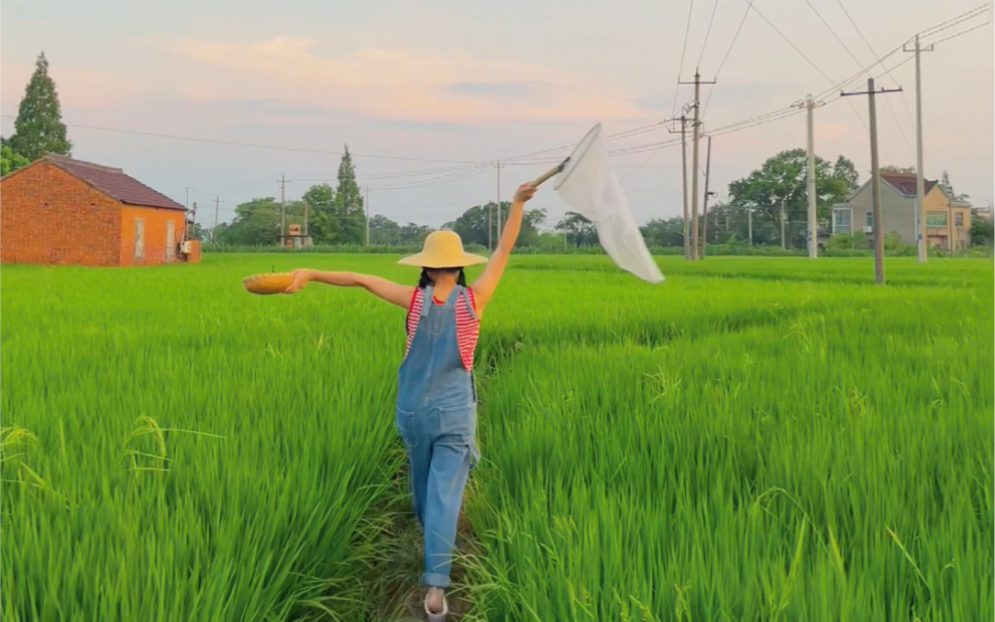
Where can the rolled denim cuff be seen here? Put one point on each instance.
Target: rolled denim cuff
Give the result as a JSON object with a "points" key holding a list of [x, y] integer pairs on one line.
{"points": [[435, 580]]}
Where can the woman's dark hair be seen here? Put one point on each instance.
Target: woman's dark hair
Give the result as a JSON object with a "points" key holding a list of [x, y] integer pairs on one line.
{"points": [[424, 281]]}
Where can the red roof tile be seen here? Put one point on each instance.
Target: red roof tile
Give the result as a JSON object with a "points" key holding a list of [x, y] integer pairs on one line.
{"points": [[114, 183], [906, 183]]}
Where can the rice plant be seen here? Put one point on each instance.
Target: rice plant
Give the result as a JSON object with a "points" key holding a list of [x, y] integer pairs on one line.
{"points": [[753, 439]]}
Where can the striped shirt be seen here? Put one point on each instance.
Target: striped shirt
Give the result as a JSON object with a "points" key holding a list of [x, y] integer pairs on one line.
{"points": [[467, 324]]}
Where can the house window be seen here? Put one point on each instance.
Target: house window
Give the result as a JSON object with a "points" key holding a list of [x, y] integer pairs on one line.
{"points": [[870, 219], [959, 219], [841, 221], [139, 238], [936, 219]]}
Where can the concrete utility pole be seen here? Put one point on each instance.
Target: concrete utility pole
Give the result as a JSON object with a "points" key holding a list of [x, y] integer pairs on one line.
{"points": [[283, 216], [783, 243], [920, 183], [704, 208], [875, 178], [813, 225], [367, 206], [684, 183], [500, 225], [696, 130], [305, 222], [749, 224], [217, 201]]}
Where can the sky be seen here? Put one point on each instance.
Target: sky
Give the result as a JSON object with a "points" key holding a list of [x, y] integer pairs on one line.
{"points": [[429, 95]]}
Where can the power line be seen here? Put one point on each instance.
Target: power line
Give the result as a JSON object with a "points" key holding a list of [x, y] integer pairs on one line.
{"points": [[832, 31], [715, 8], [445, 179], [728, 51], [908, 112], [953, 21], [253, 145], [963, 32], [684, 49]]}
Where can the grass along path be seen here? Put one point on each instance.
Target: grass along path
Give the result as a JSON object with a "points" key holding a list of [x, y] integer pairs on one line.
{"points": [[791, 446]]}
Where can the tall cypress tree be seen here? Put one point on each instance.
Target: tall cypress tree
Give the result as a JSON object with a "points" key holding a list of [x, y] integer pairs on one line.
{"points": [[349, 203], [39, 127]]}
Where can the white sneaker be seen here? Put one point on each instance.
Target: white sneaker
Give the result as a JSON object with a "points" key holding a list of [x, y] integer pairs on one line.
{"points": [[437, 617]]}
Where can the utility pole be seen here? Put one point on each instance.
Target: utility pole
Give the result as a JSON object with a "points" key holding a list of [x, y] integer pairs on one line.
{"points": [[490, 228], [283, 216], [696, 130], [813, 226], [749, 224], [305, 222], [186, 204], [920, 183], [704, 209], [783, 245], [217, 201], [500, 225], [875, 178], [367, 206], [684, 163], [684, 183]]}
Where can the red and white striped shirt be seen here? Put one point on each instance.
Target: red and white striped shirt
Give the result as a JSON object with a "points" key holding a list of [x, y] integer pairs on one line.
{"points": [[467, 324]]}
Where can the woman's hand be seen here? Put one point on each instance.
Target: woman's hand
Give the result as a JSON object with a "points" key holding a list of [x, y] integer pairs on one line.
{"points": [[524, 193], [301, 278]]}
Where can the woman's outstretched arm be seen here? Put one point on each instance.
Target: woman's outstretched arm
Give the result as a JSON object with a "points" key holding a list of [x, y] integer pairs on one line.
{"points": [[486, 283], [390, 291]]}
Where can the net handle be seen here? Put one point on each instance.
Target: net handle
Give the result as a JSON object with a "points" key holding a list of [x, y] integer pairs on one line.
{"points": [[538, 181]]}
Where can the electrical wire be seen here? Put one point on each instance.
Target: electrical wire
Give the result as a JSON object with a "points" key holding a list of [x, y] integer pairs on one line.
{"points": [[953, 21], [856, 60], [963, 32], [254, 145], [711, 20], [732, 43], [684, 49], [445, 179]]}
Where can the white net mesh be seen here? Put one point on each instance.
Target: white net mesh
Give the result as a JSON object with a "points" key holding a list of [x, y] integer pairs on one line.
{"points": [[588, 185]]}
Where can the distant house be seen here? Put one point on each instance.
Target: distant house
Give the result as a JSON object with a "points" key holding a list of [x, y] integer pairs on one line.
{"points": [[948, 221], [58, 210]]}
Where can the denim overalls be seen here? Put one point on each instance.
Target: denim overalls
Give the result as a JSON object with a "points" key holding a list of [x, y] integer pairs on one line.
{"points": [[436, 417]]}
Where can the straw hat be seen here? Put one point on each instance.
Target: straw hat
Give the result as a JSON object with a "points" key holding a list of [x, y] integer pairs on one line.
{"points": [[442, 249]]}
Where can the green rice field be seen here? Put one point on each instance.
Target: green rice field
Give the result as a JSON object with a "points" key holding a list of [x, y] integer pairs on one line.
{"points": [[753, 439]]}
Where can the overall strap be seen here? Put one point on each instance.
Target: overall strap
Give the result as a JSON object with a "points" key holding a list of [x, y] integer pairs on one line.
{"points": [[426, 302], [452, 297]]}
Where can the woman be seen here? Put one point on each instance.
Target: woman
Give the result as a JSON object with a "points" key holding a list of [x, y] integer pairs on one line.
{"points": [[436, 397]]}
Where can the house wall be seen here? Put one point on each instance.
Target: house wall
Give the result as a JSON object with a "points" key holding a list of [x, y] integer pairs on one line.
{"points": [[897, 212], [936, 201], [47, 216], [155, 220], [898, 216]]}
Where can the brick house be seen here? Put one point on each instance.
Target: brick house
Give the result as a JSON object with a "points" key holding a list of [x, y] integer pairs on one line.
{"points": [[948, 221], [58, 210]]}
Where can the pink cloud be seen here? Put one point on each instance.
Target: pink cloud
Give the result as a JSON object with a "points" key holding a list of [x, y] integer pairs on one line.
{"points": [[77, 87], [400, 84]]}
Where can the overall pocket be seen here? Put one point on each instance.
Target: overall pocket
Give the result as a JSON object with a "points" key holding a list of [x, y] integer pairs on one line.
{"points": [[406, 427], [458, 421]]}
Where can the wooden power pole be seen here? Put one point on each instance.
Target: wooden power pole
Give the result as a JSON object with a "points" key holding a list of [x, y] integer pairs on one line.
{"points": [[696, 131], [875, 178], [704, 207], [684, 184]]}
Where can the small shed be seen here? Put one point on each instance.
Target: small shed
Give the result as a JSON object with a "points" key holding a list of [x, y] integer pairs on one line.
{"points": [[62, 211]]}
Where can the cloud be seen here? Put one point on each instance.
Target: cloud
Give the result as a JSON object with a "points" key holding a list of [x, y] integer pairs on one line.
{"points": [[403, 84], [76, 87]]}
